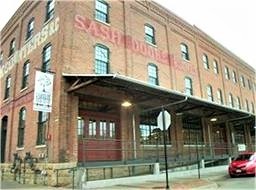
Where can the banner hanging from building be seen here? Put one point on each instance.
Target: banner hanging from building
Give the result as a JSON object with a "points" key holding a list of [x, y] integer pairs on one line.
{"points": [[43, 92]]}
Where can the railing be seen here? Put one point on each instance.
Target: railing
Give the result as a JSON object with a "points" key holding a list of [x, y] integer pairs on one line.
{"points": [[93, 151]]}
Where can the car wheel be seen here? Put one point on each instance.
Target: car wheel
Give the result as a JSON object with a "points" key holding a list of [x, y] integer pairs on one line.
{"points": [[232, 175]]}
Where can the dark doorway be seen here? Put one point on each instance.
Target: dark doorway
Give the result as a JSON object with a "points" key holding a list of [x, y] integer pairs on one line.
{"points": [[3, 137], [219, 139]]}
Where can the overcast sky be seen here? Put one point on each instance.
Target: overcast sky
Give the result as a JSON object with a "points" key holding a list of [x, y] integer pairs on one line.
{"points": [[230, 22]]}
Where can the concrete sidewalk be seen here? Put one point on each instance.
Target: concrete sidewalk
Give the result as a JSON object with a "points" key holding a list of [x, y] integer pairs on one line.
{"points": [[181, 180], [177, 180]]}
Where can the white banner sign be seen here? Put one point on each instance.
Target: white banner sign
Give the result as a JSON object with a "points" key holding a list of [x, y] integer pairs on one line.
{"points": [[43, 92]]}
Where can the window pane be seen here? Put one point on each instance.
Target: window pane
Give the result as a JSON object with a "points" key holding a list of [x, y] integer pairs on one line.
{"points": [[101, 60], [152, 74], [101, 11], [92, 128]]}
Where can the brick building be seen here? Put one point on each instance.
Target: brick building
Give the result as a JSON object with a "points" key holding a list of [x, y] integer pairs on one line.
{"points": [[103, 53]]}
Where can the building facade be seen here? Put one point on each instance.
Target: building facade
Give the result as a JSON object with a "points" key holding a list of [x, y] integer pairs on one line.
{"points": [[103, 53]]}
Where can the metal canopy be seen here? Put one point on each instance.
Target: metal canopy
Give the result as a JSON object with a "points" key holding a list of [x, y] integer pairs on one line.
{"points": [[145, 95]]}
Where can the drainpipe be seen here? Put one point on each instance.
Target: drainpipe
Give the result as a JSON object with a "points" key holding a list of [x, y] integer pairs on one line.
{"points": [[134, 136]]}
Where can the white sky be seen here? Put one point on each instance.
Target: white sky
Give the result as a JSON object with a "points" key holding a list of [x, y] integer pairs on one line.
{"points": [[230, 22]]}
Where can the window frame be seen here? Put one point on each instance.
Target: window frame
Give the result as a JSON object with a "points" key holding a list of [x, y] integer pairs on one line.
{"points": [[215, 67], [242, 81], [209, 92], [184, 52], [220, 97], [154, 80], [105, 18], [8, 84], [50, 9], [234, 77], [205, 61], [101, 66], [226, 72], [21, 127], [149, 38], [1, 58], [12, 47], [29, 30], [25, 75], [46, 62], [230, 100], [43, 119], [188, 89]]}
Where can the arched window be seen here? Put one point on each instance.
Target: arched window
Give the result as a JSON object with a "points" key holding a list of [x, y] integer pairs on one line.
{"points": [[21, 128], [184, 51], [153, 74], [188, 86], [102, 11], [7, 86], [205, 61], [46, 57], [101, 59], [25, 75], [49, 10], [209, 93], [230, 100], [150, 34], [30, 28], [219, 97], [215, 67], [12, 47], [80, 126]]}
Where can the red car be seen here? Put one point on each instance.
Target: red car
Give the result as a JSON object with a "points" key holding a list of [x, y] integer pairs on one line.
{"points": [[244, 164]]}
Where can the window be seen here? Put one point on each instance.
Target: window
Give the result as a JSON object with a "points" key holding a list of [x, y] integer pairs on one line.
{"points": [[25, 75], [30, 28], [184, 52], [249, 84], [41, 130], [205, 61], [215, 67], [21, 128], [80, 126], [101, 59], [252, 107], [103, 129], [247, 105], [112, 129], [46, 57], [49, 10], [209, 93], [7, 86], [101, 11], [226, 71], [192, 130], [12, 47], [219, 97], [1, 57], [230, 100], [238, 103], [188, 86], [242, 81], [149, 34], [152, 74], [234, 77], [150, 133], [92, 128]]}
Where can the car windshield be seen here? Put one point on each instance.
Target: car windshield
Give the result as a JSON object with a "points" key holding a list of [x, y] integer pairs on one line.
{"points": [[243, 157]]}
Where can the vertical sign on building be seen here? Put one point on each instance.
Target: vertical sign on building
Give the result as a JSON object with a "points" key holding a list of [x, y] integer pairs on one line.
{"points": [[43, 92]]}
